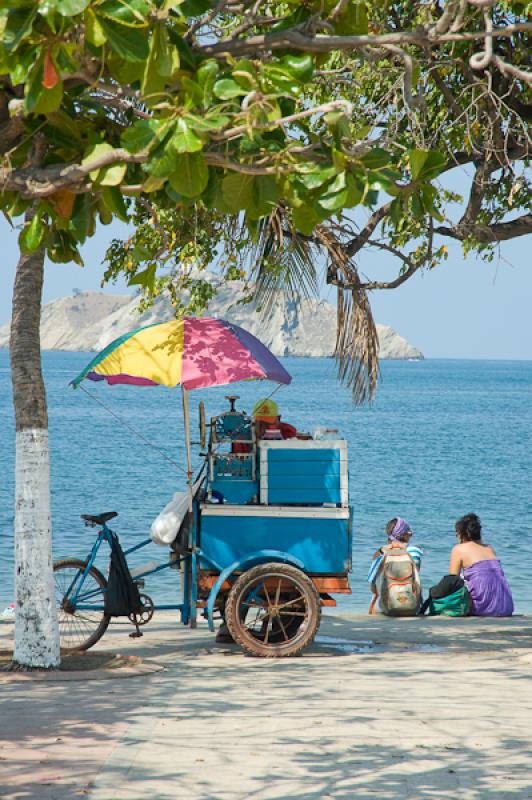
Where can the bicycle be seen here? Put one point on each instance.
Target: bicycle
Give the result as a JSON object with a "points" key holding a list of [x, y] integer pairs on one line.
{"points": [[80, 590]]}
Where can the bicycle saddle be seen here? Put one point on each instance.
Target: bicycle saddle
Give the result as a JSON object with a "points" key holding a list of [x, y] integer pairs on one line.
{"points": [[99, 519]]}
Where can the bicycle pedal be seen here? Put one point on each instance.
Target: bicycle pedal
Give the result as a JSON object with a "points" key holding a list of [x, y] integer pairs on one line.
{"points": [[137, 632]]}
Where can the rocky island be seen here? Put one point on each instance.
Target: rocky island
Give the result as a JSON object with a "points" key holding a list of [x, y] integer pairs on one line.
{"points": [[88, 321]]}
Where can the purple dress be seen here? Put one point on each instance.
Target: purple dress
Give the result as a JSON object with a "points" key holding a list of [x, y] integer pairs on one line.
{"points": [[489, 589]]}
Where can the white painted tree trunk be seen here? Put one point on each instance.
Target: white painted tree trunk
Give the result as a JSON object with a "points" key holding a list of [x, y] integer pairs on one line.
{"points": [[36, 626]]}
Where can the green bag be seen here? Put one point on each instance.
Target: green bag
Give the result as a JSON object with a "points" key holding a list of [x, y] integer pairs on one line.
{"points": [[453, 605]]}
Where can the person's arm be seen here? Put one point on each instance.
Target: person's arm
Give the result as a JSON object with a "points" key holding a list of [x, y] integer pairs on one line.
{"points": [[374, 569], [455, 564], [416, 553]]}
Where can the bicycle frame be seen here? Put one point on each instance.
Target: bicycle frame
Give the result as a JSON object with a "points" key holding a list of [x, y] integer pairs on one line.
{"points": [[79, 599]]}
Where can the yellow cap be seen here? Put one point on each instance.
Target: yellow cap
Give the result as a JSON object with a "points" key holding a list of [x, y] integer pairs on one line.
{"points": [[267, 410]]}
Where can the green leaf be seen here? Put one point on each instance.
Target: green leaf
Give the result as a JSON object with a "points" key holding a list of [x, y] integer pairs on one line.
{"points": [[355, 191], [206, 77], [140, 135], [94, 151], [213, 197], [184, 139], [69, 8], [18, 26], [434, 164], [417, 207], [226, 89], [426, 164], [153, 82], [301, 67], [106, 176], [146, 278], [61, 247], [428, 195], [191, 175], [207, 72], [168, 55], [376, 158], [316, 178], [81, 217], [238, 191], [62, 131], [163, 162], [33, 234], [305, 219], [264, 196], [123, 71], [153, 184], [336, 194], [245, 73], [353, 20], [66, 59], [94, 33], [417, 158], [128, 43], [213, 122], [396, 210], [129, 13], [193, 93], [163, 61], [112, 176], [192, 8]]}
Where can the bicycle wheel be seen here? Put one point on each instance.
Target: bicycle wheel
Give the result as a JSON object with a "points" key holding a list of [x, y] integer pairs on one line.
{"points": [[79, 628]]}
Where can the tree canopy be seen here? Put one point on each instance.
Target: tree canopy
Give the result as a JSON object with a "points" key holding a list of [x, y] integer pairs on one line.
{"points": [[255, 127]]}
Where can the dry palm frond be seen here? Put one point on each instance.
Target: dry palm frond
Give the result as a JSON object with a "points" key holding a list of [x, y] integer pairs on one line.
{"points": [[357, 343], [283, 262]]}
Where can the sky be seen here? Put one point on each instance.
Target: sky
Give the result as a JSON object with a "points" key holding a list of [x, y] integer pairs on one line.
{"points": [[463, 309]]}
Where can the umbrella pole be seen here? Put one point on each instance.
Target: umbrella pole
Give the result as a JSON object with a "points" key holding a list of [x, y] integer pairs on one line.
{"points": [[186, 416]]}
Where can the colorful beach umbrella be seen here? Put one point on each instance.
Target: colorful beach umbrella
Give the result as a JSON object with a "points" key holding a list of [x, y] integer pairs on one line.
{"points": [[194, 352]]}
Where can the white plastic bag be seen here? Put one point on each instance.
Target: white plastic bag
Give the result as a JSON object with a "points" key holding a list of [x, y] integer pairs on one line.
{"points": [[165, 526]]}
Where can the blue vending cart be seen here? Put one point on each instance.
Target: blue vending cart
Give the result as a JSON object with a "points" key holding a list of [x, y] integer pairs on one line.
{"points": [[271, 541]]}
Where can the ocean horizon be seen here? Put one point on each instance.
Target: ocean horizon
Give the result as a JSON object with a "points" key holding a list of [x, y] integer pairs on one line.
{"points": [[443, 438]]}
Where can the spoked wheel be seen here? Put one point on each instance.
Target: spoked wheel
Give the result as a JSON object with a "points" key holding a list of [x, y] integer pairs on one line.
{"points": [[273, 610], [79, 628]]}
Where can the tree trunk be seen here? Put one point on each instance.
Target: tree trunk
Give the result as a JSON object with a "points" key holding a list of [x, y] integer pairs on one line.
{"points": [[36, 626]]}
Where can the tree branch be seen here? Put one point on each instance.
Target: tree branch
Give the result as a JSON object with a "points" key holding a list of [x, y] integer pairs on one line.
{"points": [[298, 40], [335, 105], [489, 234], [44, 181], [356, 244]]}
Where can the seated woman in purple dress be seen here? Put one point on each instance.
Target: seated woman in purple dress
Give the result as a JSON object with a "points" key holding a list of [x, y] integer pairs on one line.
{"points": [[482, 571]]}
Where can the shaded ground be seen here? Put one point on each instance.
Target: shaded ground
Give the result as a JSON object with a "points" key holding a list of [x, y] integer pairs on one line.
{"points": [[78, 661], [379, 708]]}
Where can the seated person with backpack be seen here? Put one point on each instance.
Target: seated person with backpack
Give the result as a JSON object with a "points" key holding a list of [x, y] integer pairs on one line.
{"points": [[394, 573]]}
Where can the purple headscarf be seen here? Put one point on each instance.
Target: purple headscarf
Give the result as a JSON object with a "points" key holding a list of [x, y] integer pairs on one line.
{"points": [[401, 527]]}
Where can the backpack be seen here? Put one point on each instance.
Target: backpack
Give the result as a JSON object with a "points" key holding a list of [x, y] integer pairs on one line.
{"points": [[398, 584], [122, 595], [449, 598]]}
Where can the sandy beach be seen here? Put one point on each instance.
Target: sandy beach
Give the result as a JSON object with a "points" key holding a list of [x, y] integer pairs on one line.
{"points": [[376, 708]]}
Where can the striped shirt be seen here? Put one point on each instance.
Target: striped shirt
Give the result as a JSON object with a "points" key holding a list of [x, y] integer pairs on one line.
{"points": [[415, 551]]}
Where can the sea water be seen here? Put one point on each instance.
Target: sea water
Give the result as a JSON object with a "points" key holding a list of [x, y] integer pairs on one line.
{"points": [[443, 438]]}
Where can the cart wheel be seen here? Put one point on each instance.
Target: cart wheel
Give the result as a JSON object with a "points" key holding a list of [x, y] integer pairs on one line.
{"points": [[79, 628], [273, 610]]}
